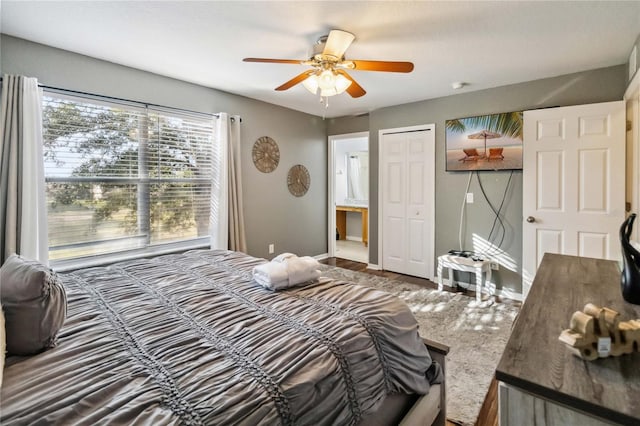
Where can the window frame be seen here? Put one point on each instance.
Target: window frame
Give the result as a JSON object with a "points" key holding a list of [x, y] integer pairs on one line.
{"points": [[150, 249]]}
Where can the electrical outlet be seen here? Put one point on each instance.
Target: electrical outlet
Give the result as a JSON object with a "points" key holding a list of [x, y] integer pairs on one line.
{"points": [[272, 248], [495, 266], [469, 197]]}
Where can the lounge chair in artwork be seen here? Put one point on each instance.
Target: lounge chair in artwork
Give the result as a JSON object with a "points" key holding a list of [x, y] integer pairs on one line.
{"points": [[495, 154], [471, 154]]}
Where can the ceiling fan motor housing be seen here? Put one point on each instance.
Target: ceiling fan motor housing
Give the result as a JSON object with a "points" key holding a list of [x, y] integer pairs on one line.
{"points": [[318, 47], [318, 54]]}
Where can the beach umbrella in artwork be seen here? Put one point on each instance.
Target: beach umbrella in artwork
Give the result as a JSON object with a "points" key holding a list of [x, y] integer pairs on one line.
{"points": [[485, 134]]}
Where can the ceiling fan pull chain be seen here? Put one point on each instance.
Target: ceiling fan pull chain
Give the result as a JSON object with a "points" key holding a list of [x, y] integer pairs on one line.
{"points": [[325, 101]]}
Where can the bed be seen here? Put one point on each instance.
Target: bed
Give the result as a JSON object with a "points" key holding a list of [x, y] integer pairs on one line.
{"points": [[190, 339]]}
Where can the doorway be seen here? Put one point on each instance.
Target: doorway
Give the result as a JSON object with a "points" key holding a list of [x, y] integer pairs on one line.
{"points": [[348, 214]]}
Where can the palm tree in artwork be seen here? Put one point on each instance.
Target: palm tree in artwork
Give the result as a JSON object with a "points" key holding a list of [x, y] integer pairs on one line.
{"points": [[455, 126], [508, 124]]}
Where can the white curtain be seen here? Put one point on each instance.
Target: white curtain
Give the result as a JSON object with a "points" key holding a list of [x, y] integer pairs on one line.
{"points": [[227, 218], [23, 214], [237, 238]]}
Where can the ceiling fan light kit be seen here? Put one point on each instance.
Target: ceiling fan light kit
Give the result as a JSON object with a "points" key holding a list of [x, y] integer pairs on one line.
{"points": [[328, 64], [328, 82]]}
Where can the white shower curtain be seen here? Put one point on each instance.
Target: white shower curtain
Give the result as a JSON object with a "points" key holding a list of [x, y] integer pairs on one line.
{"points": [[227, 218], [354, 177], [23, 214]]}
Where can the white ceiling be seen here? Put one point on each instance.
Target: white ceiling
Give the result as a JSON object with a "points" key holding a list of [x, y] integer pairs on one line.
{"points": [[485, 44]]}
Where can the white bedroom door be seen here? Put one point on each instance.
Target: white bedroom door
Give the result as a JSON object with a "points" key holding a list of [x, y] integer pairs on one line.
{"points": [[407, 184], [573, 183]]}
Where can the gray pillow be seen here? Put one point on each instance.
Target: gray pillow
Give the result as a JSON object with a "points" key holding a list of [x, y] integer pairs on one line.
{"points": [[34, 304]]}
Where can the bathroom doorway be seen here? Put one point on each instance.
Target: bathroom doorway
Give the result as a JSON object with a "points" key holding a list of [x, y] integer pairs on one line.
{"points": [[348, 215]]}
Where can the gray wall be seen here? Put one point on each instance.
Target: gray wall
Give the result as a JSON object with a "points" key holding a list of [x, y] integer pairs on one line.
{"points": [[272, 214], [600, 85], [345, 125], [299, 224]]}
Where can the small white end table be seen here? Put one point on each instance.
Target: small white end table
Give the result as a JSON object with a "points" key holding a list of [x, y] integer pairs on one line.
{"points": [[465, 264]]}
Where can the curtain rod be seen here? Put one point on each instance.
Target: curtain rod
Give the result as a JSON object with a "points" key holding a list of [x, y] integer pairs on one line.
{"points": [[113, 98], [147, 104]]}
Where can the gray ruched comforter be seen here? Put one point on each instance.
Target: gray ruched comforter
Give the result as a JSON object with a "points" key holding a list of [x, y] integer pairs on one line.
{"points": [[190, 339]]}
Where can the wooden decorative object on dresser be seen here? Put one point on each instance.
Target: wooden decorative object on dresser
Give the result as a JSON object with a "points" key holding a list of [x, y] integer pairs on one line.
{"points": [[597, 332], [543, 383]]}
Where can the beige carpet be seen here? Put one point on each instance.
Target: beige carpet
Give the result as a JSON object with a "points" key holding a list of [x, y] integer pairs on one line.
{"points": [[476, 334]]}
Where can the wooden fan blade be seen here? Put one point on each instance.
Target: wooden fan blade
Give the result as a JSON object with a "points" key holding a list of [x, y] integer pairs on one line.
{"points": [[274, 61], [354, 89], [295, 80], [337, 43], [386, 66]]}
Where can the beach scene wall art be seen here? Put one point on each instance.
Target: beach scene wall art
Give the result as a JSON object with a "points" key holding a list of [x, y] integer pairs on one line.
{"points": [[484, 142]]}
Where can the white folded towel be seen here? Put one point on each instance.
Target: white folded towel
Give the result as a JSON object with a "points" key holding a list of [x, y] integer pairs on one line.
{"points": [[286, 270], [302, 269], [282, 257], [271, 275]]}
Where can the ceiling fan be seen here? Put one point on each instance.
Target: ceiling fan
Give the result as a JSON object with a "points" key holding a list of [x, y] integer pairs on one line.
{"points": [[328, 73]]}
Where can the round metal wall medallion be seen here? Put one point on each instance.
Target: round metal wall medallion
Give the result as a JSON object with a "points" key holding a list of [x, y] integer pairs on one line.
{"points": [[266, 154], [298, 180]]}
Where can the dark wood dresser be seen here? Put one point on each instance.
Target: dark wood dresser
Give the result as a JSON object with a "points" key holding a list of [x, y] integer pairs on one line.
{"points": [[541, 382]]}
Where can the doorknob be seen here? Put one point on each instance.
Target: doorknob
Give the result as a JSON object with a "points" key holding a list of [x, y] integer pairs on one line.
{"points": [[531, 219]]}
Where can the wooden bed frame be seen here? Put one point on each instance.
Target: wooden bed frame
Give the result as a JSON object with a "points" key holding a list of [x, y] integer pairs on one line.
{"points": [[416, 410]]}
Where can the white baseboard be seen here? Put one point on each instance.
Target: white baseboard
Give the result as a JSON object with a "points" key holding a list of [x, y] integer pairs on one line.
{"points": [[373, 266], [322, 256], [510, 294], [503, 292]]}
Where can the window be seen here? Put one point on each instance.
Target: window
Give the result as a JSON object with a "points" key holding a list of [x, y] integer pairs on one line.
{"points": [[123, 177]]}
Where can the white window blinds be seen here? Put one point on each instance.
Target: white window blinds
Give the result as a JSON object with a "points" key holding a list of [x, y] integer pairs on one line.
{"points": [[124, 177]]}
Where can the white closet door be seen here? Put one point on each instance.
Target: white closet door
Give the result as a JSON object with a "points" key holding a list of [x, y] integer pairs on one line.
{"points": [[407, 193], [394, 237]]}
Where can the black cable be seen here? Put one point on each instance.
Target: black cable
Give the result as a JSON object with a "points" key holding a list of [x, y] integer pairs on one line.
{"points": [[504, 229], [501, 203], [495, 212], [497, 218]]}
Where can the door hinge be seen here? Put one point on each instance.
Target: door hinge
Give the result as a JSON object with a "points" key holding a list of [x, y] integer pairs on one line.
{"points": [[629, 125]]}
